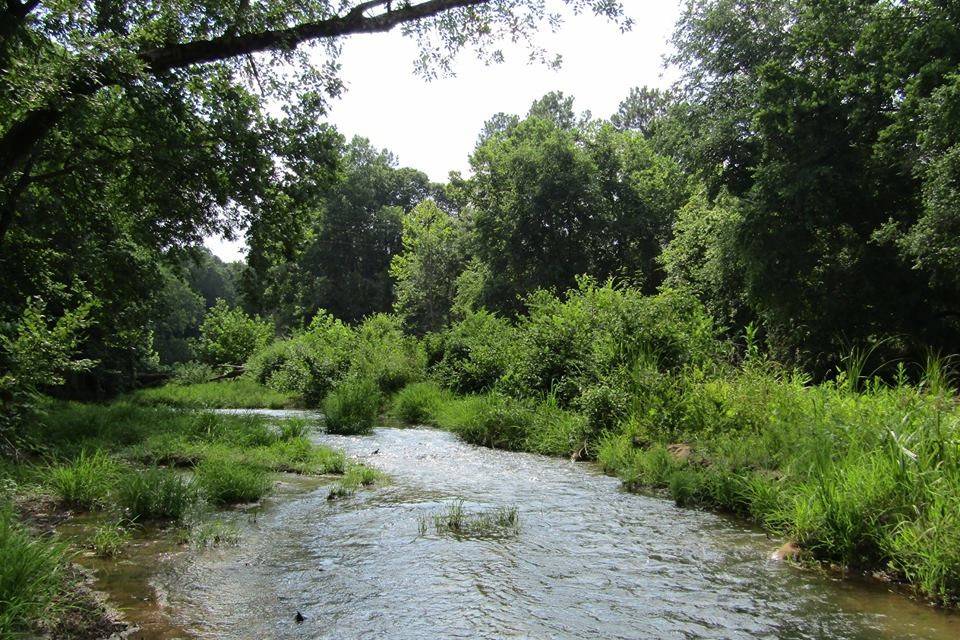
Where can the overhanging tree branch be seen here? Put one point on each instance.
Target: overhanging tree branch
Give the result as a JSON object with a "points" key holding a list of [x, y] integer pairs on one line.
{"points": [[22, 136], [353, 22]]}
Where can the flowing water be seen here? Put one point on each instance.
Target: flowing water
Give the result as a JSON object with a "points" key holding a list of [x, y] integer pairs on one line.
{"points": [[588, 561]]}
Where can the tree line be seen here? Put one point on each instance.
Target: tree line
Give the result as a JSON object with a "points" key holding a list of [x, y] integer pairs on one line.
{"points": [[802, 177]]}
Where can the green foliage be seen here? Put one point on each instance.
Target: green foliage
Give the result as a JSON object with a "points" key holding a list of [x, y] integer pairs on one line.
{"points": [[189, 373], [225, 481], [839, 179], [353, 407], [229, 336], [473, 353], [86, 482], [309, 364], [31, 577], [567, 345], [35, 354], [110, 539], [155, 494], [555, 200], [382, 353], [355, 477], [213, 533]]}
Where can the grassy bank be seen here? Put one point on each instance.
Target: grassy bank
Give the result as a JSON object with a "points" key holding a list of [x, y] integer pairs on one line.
{"points": [[867, 479], [131, 464], [240, 393]]}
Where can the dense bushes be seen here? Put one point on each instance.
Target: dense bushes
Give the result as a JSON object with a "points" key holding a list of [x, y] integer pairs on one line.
{"points": [[311, 364], [229, 336]]}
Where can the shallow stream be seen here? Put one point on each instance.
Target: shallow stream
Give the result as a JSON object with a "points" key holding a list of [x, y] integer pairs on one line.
{"points": [[588, 561]]}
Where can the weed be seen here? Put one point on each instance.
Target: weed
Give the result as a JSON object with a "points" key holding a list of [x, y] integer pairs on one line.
{"points": [[109, 539], [459, 522], [30, 575], [85, 482]]}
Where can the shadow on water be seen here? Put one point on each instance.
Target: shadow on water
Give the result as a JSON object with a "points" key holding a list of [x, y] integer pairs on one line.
{"points": [[589, 560]]}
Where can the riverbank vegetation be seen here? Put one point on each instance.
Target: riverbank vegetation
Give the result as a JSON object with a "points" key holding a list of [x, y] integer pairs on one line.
{"points": [[125, 466], [741, 289]]}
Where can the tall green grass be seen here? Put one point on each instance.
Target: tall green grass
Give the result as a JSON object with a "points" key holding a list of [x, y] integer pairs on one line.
{"points": [[156, 494], [353, 407], [30, 575], [86, 482], [225, 481], [240, 393]]}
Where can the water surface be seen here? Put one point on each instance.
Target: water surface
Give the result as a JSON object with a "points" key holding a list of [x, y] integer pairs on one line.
{"points": [[589, 561]]}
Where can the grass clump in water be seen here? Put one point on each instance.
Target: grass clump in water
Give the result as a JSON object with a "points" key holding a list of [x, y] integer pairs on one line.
{"points": [[212, 533], [156, 494], [85, 482], [225, 481], [110, 539], [356, 476], [457, 521], [352, 408]]}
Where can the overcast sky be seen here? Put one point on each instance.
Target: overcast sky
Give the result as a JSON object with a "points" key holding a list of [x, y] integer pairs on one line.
{"points": [[433, 126]]}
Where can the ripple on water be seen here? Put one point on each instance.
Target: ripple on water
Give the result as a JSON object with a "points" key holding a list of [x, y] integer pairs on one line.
{"points": [[589, 561]]}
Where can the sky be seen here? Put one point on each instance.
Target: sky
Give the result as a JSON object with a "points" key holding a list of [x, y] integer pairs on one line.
{"points": [[432, 126]]}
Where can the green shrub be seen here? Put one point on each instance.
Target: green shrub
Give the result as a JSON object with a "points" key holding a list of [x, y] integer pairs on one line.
{"points": [[229, 336], [565, 346], [383, 354], [417, 403], [309, 364], [30, 575], [352, 408], [225, 481], [155, 494], [85, 482], [187, 373], [474, 353], [491, 420]]}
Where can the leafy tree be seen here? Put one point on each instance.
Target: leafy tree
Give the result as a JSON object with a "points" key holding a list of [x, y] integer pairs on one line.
{"points": [[36, 352], [434, 255], [818, 115], [553, 203], [129, 130], [702, 257], [642, 109], [344, 267]]}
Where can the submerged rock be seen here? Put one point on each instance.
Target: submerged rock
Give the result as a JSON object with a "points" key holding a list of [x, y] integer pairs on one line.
{"points": [[789, 551]]}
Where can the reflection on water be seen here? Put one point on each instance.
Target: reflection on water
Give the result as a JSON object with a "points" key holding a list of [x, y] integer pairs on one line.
{"points": [[589, 561]]}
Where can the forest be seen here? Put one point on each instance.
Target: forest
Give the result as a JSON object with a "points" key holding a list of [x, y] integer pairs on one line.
{"points": [[741, 292]]}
